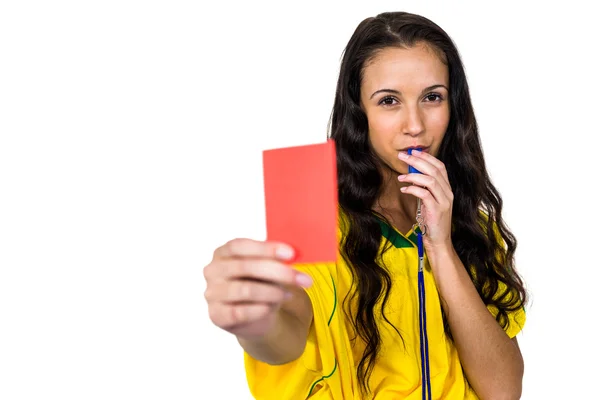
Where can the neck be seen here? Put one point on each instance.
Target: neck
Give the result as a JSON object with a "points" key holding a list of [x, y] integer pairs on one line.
{"points": [[399, 208]]}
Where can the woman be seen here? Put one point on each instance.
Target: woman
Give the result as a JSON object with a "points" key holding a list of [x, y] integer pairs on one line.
{"points": [[372, 325]]}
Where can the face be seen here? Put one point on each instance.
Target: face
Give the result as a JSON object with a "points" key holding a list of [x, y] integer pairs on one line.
{"points": [[404, 93]]}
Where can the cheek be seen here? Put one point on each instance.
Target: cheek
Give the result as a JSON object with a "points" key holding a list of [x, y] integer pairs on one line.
{"points": [[438, 121], [382, 126]]}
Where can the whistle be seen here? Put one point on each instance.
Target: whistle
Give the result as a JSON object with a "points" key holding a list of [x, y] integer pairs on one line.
{"points": [[412, 169]]}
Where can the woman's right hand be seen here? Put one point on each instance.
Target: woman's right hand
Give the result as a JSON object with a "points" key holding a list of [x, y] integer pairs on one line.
{"points": [[247, 281]]}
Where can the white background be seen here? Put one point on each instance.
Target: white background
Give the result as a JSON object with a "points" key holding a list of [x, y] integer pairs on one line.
{"points": [[130, 147]]}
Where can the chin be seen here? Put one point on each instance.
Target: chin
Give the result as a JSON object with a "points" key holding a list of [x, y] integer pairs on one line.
{"points": [[398, 168]]}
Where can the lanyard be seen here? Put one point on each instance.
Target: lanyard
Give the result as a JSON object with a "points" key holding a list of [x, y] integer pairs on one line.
{"points": [[425, 377]]}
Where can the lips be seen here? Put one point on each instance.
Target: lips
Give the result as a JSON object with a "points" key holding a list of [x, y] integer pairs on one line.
{"points": [[421, 148]]}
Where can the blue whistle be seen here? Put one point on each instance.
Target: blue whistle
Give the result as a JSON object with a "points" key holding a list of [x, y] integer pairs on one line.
{"points": [[412, 169]]}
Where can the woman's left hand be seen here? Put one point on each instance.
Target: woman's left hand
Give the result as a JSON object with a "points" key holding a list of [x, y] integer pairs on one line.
{"points": [[433, 188]]}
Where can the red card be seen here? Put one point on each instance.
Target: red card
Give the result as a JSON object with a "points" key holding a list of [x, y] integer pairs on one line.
{"points": [[302, 201]]}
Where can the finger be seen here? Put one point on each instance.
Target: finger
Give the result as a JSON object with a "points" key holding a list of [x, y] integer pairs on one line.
{"points": [[246, 291], [227, 316], [269, 271], [428, 182], [424, 194], [254, 248], [440, 166], [427, 165]]}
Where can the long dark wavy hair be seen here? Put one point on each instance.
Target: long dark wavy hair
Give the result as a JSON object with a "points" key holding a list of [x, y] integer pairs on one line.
{"points": [[477, 210]]}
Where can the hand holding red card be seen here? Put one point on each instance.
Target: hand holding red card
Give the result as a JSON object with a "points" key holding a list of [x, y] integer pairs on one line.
{"points": [[301, 200]]}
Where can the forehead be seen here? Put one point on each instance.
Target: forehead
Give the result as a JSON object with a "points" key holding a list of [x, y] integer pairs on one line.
{"points": [[418, 66]]}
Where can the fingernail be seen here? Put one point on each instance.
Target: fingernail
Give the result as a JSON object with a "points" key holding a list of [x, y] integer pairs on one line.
{"points": [[284, 252], [401, 177], [415, 151], [304, 280], [402, 155]]}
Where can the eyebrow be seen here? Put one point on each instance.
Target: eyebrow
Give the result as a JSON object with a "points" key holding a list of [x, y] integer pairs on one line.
{"points": [[427, 89]]}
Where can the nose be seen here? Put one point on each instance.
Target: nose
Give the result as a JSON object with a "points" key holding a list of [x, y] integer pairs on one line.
{"points": [[413, 121]]}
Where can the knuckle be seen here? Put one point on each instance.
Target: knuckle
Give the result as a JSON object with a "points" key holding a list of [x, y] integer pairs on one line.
{"points": [[214, 316], [246, 290], [238, 315], [235, 268], [243, 267], [207, 271], [230, 245], [237, 245], [213, 291], [240, 290], [232, 242]]}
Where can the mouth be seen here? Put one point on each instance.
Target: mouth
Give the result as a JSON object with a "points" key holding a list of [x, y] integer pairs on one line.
{"points": [[424, 149]]}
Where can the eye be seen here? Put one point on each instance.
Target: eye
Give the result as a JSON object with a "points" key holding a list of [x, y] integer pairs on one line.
{"points": [[431, 97], [388, 101]]}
